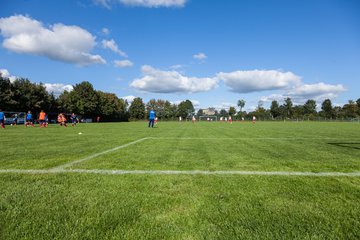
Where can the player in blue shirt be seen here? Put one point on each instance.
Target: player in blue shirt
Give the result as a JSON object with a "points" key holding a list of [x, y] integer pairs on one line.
{"points": [[2, 119], [152, 116], [29, 119], [74, 119]]}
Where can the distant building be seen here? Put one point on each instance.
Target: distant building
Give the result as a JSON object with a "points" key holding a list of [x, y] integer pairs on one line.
{"points": [[209, 111]]}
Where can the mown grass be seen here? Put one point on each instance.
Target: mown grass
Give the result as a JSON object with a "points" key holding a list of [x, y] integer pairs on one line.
{"points": [[95, 206]]}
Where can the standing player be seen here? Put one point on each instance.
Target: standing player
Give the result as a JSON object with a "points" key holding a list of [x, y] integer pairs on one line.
{"points": [[151, 118], [254, 119], [242, 119], [156, 120], [42, 116], [2, 119], [230, 120], [193, 119], [29, 119], [74, 119], [15, 119]]}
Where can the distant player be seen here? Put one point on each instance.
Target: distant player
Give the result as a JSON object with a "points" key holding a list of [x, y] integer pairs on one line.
{"points": [[74, 119], [42, 117], [253, 119], [152, 116], [221, 119], [242, 119], [2, 119], [156, 120], [193, 119], [61, 120], [29, 119], [98, 119], [15, 119], [230, 120], [180, 119]]}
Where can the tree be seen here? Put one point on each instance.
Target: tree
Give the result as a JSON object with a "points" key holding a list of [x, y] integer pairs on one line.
{"points": [[327, 108], [288, 107], [309, 109], [232, 111], [350, 109], [358, 105], [223, 113], [241, 104], [274, 109], [137, 109], [185, 109]]}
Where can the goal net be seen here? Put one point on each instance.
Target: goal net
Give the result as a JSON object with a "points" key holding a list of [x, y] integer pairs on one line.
{"points": [[208, 118]]}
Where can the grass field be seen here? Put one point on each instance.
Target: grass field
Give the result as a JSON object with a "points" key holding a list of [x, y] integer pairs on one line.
{"points": [[281, 180]]}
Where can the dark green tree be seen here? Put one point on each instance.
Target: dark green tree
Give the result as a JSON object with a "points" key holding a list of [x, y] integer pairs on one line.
{"points": [[232, 111], [185, 109], [274, 109], [137, 109], [327, 108], [241, 104], [288, 106]]}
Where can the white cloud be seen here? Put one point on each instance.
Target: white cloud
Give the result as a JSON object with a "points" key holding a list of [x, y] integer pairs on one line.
{"points": [[258, 80], [300, 94], [58, 42], [58, 88], [177, 66], [105, 31], [129, 99], [224, 105], [123, 64], [5, 74], [142, 3], [200, 56], [111, 44], [195, 103], [154, 3], [158, 81]]}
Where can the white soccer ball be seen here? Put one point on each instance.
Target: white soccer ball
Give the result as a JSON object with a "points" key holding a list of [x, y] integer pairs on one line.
{"points": [[10, 124], [80, 133]]}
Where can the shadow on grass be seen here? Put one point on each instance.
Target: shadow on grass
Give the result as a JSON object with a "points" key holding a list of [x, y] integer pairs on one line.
{"points": [[353, 145]]}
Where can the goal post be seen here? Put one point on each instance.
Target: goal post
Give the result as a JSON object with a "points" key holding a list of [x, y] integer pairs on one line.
{"points": [[208, 118]]}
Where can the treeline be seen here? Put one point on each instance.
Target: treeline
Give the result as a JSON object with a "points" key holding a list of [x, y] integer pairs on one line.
{"points": [[22, 95], [288, 110]]}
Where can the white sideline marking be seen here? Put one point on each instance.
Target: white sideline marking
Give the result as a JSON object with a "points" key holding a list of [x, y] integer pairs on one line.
{"points": [[173, 172], [255, 138], [98, 154]]}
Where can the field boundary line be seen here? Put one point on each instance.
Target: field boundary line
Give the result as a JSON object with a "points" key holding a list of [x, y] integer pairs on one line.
{"points": [[254, 138], [98, 154], [175, 172]]}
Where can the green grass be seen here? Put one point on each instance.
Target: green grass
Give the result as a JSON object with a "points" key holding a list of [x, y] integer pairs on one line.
{"points": [[97, 206]]}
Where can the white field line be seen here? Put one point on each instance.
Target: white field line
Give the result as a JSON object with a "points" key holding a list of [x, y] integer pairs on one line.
{"points": [[255, 138], [173, 172], [97, 154]]}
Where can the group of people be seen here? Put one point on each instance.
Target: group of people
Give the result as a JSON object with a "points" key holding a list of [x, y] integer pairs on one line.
{"points": [[42, 119]]}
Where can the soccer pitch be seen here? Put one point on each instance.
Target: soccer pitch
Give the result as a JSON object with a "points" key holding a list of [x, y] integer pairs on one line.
{"points": [[209, 180]]}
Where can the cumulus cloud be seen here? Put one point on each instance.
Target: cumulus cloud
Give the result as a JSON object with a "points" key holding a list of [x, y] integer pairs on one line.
{"points": [[123, 64], [195, 103], [302, 93], [200, 56], [129, 98], [158, 81], [111, 44], [5, 74], [258, 80], [58, 88], [59, 42], [105, 31], [142, 3]]}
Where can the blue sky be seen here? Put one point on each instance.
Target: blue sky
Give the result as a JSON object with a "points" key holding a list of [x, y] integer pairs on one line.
{"points": [[213, 52]]}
